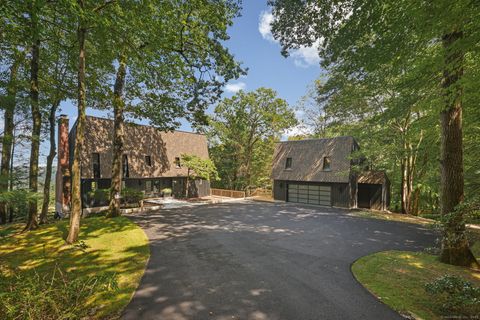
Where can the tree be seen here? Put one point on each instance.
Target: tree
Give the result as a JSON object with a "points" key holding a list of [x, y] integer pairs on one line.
{"points": [[34, 14], [198, 168], [172, 73], [10, 102], [58, 84], [363, 37], [243, 132]]}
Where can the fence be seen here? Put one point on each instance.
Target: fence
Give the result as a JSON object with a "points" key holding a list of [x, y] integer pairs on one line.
{"points": [[227, 193]]}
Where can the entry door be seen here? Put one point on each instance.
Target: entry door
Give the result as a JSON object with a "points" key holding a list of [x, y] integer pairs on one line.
{"points": [[310, 194]]}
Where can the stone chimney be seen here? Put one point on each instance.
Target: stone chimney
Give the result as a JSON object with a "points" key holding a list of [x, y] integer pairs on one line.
{"points": [[63, 182]]}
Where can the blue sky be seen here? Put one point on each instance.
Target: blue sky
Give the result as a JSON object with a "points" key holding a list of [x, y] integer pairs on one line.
{"points": [[253, 45]]}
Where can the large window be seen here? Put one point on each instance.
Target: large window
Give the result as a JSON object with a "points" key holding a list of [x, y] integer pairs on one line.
{"points": [[327, 163], [96, 165], [288, 163], [125, 170]]}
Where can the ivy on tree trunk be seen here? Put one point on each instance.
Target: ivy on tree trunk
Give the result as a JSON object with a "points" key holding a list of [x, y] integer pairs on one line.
{"points": [[76, 206], [455, 248], [118, 136], [32, 220]]}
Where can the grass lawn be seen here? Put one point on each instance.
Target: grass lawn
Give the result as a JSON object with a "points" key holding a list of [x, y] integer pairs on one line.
{"points": [[107, 246], [398, 278], [393, 217]]}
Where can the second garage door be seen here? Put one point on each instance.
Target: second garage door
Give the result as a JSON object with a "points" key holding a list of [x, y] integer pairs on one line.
{"points": [[311, 194]]}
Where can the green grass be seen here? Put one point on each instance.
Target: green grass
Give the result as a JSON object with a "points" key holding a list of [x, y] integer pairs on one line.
{"points": [[398, 279], [107, 246], [393, 217]]}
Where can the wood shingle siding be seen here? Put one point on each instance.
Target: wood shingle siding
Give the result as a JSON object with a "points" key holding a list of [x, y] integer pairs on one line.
{"points": [[140, 141]]}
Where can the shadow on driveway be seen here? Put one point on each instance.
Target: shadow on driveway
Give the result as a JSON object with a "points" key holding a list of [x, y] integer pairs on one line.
{"points": [[256, 261]]}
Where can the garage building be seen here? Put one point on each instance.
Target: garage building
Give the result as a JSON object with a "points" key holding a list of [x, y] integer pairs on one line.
{"points": [[327, 172]]}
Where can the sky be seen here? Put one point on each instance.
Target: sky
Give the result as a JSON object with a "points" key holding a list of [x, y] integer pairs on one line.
{"points": [[252, 43]]}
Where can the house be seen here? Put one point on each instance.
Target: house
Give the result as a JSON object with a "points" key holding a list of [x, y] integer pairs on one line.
{"points": [[324, 172], [150, 161]]}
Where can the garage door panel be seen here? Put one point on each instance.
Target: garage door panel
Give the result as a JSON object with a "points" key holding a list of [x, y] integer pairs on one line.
{"points": [[309, 194]]}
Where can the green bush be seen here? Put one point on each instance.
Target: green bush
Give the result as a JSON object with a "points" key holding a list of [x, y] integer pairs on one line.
{"points": [[29, 295], [132, 195], [455, 295], [99, 197], [18, 199], [166, 191]]}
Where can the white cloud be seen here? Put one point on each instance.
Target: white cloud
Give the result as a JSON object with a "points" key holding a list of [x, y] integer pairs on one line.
{"points": [[303, 57], [306, 56], [235, 87], [264, 26], [298, 130]]}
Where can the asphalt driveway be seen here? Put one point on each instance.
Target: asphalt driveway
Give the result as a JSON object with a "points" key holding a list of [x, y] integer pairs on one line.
{"points": [[258, 261]]}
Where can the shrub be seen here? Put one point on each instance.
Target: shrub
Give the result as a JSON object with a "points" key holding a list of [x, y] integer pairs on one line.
{"points": [[17, 200], [99, 196], [166, 191], [29, 295], [455, 295], [132, 195]]}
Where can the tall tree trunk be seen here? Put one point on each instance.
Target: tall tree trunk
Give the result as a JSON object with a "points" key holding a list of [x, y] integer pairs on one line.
{"points": [[51, 155], [7, 141], [32, 222], [187, 183], [76, 207], [118, 137], [10, 210], [403, 184], [455, 249]]}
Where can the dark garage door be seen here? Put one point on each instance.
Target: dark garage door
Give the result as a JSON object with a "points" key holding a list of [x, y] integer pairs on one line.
{"points": [[311, 194]]}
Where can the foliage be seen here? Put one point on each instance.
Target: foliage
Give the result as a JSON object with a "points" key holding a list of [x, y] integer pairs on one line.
{"points": [[202, 168], [131, 195], [166, 191], [18, 200], [243, 133], [109, 249], [455, 295], [98, 197], [53, 295], [398, 278]]}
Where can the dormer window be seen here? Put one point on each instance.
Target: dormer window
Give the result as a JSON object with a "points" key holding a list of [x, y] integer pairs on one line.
{"points": [[96, 165], [148, 160], [178, 165], [288, 163], [327, 162]]}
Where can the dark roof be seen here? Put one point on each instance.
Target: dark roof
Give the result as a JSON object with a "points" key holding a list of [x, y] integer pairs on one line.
{"points": [[308, 157]]}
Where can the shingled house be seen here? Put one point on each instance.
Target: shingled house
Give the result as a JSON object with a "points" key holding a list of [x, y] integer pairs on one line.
{"points": [[150, 162], [323, 172]]}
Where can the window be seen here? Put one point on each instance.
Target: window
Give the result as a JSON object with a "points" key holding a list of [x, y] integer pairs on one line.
{"points": [[96, 165], [125, 171], [178, 165], [288, 163], [327, 163], [148, 185], [148, 160]]}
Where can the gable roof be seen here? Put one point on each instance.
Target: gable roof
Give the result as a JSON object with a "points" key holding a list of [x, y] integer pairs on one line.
{"points": [[308, 157]]}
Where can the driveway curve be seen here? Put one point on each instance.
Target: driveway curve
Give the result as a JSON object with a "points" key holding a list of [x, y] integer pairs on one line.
{"points": [[258, 261]]}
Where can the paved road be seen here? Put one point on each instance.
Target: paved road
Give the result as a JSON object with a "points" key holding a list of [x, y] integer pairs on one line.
{"points": [[259, 261]]}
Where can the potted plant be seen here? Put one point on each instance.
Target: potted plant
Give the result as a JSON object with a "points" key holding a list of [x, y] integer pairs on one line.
{"points": [[166, 192]]}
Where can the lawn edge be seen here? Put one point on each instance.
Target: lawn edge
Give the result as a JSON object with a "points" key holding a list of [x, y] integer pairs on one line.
{"points": [[121, 312]]}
